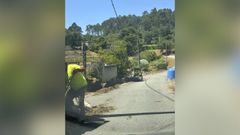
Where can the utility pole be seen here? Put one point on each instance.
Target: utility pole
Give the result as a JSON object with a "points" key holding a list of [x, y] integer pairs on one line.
{"points": [[138, 37], [84, 58], [166, 53], [138, 53]]}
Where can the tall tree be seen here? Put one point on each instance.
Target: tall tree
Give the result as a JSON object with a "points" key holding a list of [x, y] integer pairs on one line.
{"points": [[131, 37], [73, 36], [153, 25]]}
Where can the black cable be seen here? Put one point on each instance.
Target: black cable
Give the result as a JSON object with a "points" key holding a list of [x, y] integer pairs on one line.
{"points": [[115, 11], [133, 114], [158, 92]]}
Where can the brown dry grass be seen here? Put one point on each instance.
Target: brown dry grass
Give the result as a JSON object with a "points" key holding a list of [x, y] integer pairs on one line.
{"points": [[158, 52], [76, 56], [171, 61], [171, 86]]}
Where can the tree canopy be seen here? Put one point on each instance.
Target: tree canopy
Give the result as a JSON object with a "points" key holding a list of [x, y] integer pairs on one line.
{"points": [[156, 27], [153, 24], [116, 39], [73, 36]]}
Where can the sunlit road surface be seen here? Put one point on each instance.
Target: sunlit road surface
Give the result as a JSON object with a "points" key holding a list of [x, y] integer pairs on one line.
{"points": [[140, 108]]}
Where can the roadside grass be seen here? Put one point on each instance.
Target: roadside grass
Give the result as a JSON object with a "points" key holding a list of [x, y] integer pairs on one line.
{"points": [[76, 56], [171, 61]]}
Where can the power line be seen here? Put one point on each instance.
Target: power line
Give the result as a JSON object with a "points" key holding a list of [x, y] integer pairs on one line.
{"points": [[115, 11]]}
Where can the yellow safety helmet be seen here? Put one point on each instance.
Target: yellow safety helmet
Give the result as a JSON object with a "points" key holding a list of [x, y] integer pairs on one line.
{"points": [[77, 80], [72, 67]]}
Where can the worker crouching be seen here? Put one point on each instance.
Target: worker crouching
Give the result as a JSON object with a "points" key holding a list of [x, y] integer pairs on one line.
{"points": [[75, 93]]}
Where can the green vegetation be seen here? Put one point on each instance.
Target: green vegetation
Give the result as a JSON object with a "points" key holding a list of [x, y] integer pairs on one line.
{"points": [[152, 28], [76, 56], [73, 36], [158, 64], [133, 61], [144, 64], [117, 54], [119, 40], [95, 70], [149, 55]]}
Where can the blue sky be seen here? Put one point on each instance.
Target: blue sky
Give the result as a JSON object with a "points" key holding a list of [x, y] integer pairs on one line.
{"points": [[85, 12]]}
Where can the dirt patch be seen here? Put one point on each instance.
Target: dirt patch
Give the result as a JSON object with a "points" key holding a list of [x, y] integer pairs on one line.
{"points": [[171, 86], [171, 61], [105, 90], [158, 52], [99, 109], [102, 90], [153, 72]]}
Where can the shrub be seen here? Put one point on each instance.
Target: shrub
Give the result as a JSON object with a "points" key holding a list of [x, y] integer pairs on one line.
{"points": [[148, 55], [117, 54], [133, 61], [144, 64], [95, 70], [158, 64]]}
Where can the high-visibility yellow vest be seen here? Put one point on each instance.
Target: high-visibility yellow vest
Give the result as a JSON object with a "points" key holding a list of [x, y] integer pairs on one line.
{"points": [[77, 80]]}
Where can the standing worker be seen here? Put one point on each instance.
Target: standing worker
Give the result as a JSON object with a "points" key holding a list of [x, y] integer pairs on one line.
{"points": [[75, 93]]}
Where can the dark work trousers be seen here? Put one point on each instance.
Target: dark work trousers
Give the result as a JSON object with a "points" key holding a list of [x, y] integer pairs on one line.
{"points": [[74, 103]]}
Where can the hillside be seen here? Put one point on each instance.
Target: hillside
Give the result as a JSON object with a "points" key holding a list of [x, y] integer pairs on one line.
{"points": [[76, 56], [152, 27], [117, 39]]}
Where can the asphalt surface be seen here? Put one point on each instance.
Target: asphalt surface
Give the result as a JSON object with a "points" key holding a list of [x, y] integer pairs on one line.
{"points": [[139, 108]]}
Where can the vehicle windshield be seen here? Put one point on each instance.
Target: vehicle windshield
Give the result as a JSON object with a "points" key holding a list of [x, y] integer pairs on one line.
{"points": [[127, 56]]}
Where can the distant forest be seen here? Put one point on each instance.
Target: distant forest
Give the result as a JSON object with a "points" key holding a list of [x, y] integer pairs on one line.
{"points": [[155, 28]]}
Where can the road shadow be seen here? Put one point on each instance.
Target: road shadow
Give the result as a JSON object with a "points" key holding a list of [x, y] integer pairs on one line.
{"points": [[74, 127], [132, 114]]}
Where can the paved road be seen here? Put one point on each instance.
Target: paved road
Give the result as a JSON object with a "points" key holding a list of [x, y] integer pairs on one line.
{"points": [[140, 108]]}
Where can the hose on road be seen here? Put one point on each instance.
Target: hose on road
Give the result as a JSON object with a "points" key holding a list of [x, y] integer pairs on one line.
{"points": [[158, 92]]}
